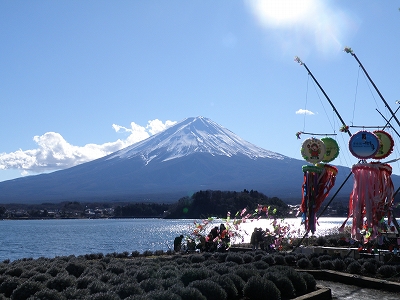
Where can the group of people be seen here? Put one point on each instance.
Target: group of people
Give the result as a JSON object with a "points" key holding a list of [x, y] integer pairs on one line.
{"points": [[263, 240], [217, 240]]}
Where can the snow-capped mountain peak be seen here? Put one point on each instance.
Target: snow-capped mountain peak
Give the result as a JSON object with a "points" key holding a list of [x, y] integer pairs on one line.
{"points": [[193, 135]]}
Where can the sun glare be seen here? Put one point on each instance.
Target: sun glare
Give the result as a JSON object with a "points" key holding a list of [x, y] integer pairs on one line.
{"points": [[282, 12], [304, 25]]}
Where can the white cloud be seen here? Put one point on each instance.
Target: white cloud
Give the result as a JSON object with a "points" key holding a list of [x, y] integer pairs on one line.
{"points": [[305, 25], [55, 153], [304, 112], [157, 126]]}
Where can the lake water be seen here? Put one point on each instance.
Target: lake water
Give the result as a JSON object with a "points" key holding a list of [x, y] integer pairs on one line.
{"points": [[50, 238]]}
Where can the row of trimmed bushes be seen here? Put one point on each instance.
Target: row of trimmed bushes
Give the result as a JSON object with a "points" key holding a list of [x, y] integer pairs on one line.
{"points": [[253, 275], [362, 266]]}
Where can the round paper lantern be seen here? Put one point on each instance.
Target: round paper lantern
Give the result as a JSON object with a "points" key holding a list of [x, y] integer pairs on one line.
{"points": [[364, 144], [331, 149], [386, 144], [313, 150]]}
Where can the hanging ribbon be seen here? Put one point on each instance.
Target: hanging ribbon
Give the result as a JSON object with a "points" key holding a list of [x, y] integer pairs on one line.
{"points": [[318, 181], [371, 200]]}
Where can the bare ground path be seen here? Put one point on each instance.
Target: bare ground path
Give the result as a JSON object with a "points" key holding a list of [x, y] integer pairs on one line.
{"points": [[348, 292]]}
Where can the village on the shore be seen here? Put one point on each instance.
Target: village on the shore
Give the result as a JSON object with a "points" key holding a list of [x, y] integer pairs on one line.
{"points": [[76, 210]]}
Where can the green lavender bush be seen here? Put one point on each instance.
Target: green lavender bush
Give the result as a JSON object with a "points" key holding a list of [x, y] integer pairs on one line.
{"points": [[339, 264], [369, 267], [304, 263], [192, 274], [327, 264], [49, 294], [354, 268], [290, 260], [227, 284], [210, 289], [285, 286], [151, 284], [260, 288], [9, 285], [188, 293], [234, 257], [387, 271], [127, 289], [310, 281], [260, 265], [237, 281], [26, 289], [129, 276], [245, 273]]}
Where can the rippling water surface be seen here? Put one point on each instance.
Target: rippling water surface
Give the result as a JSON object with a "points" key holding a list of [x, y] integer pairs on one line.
{"points": [[50, 238]]}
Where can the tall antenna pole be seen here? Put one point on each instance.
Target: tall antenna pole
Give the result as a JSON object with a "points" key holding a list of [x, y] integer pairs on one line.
{"points": [[349, 50], [297, 59]]}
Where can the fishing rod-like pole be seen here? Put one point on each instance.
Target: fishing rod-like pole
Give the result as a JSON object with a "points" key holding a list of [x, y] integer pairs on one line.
{"points": [[349, 50], [390, 119], [388, 122], [297, 59]]}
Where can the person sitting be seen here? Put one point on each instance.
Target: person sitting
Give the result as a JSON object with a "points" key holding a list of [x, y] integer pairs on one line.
{"points": [[210, 244], [260, 234], [191, 245], [224, 238], [214, 232], [178, 243], [253, 239], [269, 240], [201, 246]]}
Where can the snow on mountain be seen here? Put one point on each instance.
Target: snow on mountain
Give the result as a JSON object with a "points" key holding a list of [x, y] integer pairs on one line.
{"points": [[193, 135]]}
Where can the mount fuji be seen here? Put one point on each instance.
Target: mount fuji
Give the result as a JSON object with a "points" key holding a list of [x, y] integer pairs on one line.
{"points": [[195, 154]]}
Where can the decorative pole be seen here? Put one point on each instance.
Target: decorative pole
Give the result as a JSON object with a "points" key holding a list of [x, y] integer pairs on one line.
{"points": [[344, 127], [349, 50], [388, 122]]}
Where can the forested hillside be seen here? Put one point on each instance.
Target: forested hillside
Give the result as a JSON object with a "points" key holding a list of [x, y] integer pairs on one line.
{"points": [[208, 203]]}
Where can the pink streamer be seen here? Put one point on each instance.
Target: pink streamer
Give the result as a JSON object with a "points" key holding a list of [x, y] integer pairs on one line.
{"points": [[371, 198]]}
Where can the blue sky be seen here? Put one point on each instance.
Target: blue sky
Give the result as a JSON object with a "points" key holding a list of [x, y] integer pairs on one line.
{"points": [[81, 79]]}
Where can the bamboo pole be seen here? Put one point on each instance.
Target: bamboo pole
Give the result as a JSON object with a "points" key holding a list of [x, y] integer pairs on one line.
{"points": [[349, 50], [388, 122], [297, 59]]}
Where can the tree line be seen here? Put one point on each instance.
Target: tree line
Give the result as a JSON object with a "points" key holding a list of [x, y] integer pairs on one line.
{"points": [[201, 204], [208, 203]]}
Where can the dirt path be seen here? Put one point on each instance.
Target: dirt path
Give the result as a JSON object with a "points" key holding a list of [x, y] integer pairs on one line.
{"points": [[347, 292]]}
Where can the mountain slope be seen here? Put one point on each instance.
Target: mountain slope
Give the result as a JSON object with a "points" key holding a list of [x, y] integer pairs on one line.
{"points": [[195, 154], [193, 135]]}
